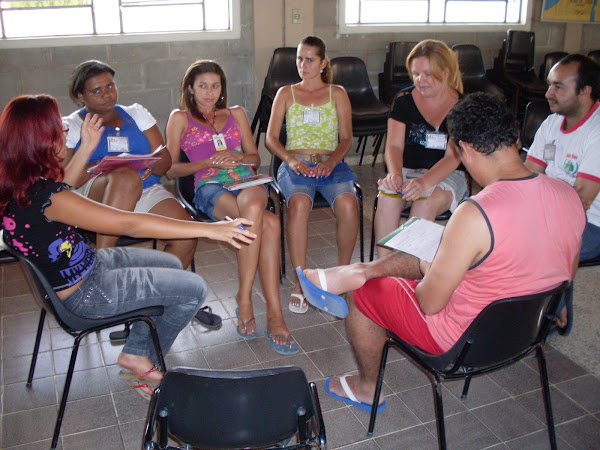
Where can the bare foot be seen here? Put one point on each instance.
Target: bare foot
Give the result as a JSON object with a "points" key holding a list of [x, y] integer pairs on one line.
{"points": [[140, 365], [245, 316], [295, 300], [562, 319], [363, 394], [340, 279], [279, 331]]}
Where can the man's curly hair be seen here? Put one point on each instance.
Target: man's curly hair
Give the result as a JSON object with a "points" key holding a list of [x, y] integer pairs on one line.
{"points": [[484, 122]]}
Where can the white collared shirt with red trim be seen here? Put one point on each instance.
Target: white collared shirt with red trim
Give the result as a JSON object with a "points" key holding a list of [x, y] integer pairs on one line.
{"points": [[577, 151]]}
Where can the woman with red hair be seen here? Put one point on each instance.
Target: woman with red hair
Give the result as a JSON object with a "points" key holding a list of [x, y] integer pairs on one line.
{"points": [[40, 216]]}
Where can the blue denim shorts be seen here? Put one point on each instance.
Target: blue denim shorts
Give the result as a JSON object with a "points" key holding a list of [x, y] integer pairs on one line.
{"points": [[206, 197], [590, 243], [330, 191]]}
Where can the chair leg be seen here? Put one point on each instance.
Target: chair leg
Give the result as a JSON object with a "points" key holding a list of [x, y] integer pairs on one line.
{"points": [[547, 401], [156, 342], [384, 355], [67, 387], [362, 152], [466, 387], [360, 140], [36, 347], [376, 152], [439, 408], [362, 226], [282, 237], [372, 253]]}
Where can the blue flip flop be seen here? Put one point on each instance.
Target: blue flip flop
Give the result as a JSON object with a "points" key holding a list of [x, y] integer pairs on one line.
{"points": [[320, 298], [351, 399], [245, 326], [289, 348]]}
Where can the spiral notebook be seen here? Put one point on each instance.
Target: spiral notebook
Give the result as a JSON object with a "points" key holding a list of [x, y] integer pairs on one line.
{"points": [[136, 162], [242, 183]]}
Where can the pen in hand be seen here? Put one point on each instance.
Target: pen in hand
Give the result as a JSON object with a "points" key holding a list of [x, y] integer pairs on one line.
{"points": [[229, 219]]}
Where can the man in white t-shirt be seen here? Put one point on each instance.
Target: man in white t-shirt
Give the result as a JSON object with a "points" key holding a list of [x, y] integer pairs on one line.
{"points": [[567, 144]]}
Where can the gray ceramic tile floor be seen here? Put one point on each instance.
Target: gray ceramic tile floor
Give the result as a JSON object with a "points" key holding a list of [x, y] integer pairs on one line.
{"points": [[504, 409]]}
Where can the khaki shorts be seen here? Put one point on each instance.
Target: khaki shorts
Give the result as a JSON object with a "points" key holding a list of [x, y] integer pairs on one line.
{"points": [[150, 196]]}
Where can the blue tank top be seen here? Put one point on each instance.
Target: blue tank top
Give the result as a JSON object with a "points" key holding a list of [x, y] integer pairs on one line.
{"points": [[138, 142]]}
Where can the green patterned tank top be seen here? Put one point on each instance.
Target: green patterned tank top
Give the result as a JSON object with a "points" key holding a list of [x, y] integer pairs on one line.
{"points": [[311, 127]]}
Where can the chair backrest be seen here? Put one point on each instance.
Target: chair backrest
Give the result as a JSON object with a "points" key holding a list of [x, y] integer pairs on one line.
{"points": [[549, 60], [185, 185], [282, 71], [506, 329], [234, 409], [519, 51], [394, 67], [45, 295], [351, 72], [470, 61], [535, 113], [594, 55]]}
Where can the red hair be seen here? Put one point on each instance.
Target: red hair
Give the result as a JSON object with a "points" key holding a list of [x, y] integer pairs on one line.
{"points": [[31, 138]]}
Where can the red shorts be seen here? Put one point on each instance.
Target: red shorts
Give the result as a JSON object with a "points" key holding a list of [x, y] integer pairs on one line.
{"points": [[391, 303]]}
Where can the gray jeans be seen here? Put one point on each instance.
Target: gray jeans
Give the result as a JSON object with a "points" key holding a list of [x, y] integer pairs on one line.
{"points": [[125, 279]]}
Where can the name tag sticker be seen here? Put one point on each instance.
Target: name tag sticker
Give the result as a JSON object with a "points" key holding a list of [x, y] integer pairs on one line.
{"points": [[118, 144], [436, 140], [219, 141], [549, 152], [311, 116]]}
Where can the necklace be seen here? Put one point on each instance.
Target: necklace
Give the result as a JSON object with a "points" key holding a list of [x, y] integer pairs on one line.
{"points": [[212, 124]]}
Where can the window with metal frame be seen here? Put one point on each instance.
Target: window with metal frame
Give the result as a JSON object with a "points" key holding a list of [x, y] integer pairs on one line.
{"points": [[25, 19], [379, 12]]}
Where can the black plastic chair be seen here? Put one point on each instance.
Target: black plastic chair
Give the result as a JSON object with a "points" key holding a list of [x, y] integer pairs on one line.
{"points": [[76, 326], [395, 75], [594, 55], [185, 194], [472, 71], [235, 409], [488, 344], [568, 299], [549, 60], [518, 79], [369, 114], [319, 202], [282, 72], [535, 114]]}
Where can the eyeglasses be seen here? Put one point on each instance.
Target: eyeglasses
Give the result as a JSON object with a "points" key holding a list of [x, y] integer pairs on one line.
{"points": [[65, 127]]}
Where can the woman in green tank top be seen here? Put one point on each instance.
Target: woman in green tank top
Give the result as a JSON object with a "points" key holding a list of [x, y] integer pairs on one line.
{"points": [[318, 119]]}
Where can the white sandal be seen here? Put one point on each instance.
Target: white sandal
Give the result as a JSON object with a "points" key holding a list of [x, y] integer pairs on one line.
{"points": [[303, 304]]}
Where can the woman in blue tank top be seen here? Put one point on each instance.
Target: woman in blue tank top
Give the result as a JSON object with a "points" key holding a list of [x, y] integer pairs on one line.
{"points": [[128, 129], [319, 135]]}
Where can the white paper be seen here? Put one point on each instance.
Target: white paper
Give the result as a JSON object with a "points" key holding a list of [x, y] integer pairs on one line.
{"points": [[418, 237]]}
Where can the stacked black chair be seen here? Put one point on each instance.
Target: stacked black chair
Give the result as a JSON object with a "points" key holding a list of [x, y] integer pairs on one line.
{"points": [[487, 345], [535, 113], [76, 326], [395, 75], [473, 71], [514, 71], [369, 114], [549, 60], [282, 72], [594, 55], [265, 408]]}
